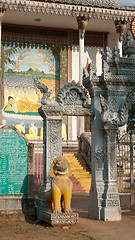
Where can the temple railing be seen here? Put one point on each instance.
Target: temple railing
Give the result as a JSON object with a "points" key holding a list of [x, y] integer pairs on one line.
{"points": [[123, 159], [85, 147]]}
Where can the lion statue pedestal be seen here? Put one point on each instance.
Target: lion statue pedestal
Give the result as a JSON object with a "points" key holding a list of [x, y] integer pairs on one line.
{"points": [[59, 197]]}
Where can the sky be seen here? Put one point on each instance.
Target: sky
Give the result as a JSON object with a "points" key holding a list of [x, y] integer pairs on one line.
{"points": [[127, 2]]}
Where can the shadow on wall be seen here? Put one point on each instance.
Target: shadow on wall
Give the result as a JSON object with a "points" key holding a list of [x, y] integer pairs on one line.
{"points": [[28, 198]]}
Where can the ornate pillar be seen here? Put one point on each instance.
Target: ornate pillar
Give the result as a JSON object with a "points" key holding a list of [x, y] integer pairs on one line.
{"points": [[120, 29], [111, 205], [95, 207], [82, 24], [52, 148], [52, 136], [2, 12]]}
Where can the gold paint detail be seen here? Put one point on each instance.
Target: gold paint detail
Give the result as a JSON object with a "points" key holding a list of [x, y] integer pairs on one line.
{"points": [[121, 27], [82, 24], [133, 27]]}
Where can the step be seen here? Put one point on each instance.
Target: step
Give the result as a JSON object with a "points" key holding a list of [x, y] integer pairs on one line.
{"points": [[80, 171]]}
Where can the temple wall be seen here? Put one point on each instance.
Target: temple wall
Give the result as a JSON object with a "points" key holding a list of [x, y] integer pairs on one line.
{"points": [[112, 40], [59, 54], [91, 54]]}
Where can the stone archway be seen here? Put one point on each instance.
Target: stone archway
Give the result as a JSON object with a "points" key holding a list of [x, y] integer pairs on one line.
{"points": [[111, 96], [72, 101]]}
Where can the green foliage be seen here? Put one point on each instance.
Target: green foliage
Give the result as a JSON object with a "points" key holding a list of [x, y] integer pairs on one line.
{"points": [[31, 73]]}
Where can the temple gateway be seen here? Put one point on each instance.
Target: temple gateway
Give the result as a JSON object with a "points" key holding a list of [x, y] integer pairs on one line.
{"points": [[56, 42], [53, 41]]}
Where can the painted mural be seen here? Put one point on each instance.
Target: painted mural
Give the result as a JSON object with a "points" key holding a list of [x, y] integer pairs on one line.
{"points": [[21, 97]]}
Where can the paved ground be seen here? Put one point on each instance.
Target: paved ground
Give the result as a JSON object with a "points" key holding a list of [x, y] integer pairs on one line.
{"points": [[11, 229]]}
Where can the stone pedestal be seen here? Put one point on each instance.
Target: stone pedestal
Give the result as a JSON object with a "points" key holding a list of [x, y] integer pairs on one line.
{"points": [[61, 218]]}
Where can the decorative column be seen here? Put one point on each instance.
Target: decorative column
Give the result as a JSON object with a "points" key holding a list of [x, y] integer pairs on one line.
{"points": [[52, 114], [111, 205], [52, 137], [82, 24], [2, 12], [52, 148], [120, 29]]}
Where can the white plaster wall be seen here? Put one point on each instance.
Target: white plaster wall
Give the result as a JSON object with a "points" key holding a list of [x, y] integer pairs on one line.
{"points": [[93, 54], [74, 128], [112, 40], [75, 63]]}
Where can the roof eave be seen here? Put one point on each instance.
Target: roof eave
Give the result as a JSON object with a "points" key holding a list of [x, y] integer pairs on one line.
{"points": [[68, 9]]}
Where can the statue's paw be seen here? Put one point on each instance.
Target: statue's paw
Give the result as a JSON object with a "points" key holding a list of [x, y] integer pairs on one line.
{"points": [[56, 211], [68, 211]]}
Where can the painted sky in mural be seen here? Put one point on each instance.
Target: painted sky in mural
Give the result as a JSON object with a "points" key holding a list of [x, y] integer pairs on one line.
{"points": [[35, 59]]}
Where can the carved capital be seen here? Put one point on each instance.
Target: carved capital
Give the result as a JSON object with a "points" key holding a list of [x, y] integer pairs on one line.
{"points": [[82, 24], [2, 12], [121, 28]]}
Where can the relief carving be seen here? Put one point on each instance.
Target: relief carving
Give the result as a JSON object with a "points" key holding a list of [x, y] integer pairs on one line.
{"points": [[99, 158], [73, 100], [115, 113]]}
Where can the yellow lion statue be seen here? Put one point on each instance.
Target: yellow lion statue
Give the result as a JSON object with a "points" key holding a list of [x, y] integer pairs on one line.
{"points": [[59, 197]]}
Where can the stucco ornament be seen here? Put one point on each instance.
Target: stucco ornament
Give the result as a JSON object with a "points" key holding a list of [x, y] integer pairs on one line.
{"points": [[59, 197], [82, 24], [113, 112], [73, 99], [90, 72], [43, 89], [67, 97], [129, 45]]}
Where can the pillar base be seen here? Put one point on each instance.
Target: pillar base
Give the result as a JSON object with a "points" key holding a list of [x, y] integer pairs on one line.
{"points": [[112, 214]]}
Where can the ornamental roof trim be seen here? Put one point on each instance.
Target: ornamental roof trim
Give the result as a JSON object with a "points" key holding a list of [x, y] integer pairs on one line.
{"points": [[124, 13], [92, 3]]}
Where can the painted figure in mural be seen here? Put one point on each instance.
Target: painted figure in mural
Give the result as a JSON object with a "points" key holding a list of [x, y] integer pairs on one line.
{"points": [[64, 132], [20, 106], [20, 127], [32, 135], [22, 98], [41, 133], [59, 197], [12, 104]]}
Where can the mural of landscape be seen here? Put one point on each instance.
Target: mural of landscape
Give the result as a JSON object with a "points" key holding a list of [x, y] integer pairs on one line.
{"points": [[21, 96]]}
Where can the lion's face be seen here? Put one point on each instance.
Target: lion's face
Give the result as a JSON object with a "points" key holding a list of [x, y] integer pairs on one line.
{"points": [[60, 167]]}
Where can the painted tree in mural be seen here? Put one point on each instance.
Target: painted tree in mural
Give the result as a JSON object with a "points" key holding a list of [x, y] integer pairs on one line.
{"points": [[6, 53]]}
